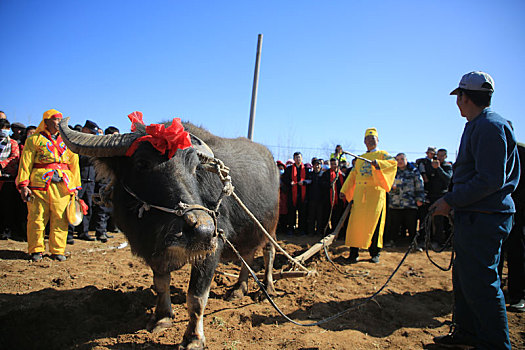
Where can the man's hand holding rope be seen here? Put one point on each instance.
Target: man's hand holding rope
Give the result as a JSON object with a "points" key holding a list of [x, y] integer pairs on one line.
{"points": [[440, 207]]}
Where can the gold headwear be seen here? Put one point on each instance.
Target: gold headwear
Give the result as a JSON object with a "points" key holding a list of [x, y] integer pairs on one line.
{"points": [[47, 115], [371, 132]]}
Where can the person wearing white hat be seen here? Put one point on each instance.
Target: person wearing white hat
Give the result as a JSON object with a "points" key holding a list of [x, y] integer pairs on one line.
{"points": [[486, 173]]}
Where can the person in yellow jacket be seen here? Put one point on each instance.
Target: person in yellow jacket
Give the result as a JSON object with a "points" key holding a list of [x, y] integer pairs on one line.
{"points": [[48, 176], [367, 185]]}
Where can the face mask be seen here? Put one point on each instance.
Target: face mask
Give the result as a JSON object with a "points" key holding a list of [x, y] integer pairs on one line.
{"points": [[281, 171], [6, 132]]}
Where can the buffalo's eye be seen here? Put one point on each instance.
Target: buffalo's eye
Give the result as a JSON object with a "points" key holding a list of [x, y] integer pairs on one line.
{"points": [[142, 164]]}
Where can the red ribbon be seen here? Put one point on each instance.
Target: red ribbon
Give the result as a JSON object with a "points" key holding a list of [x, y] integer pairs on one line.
{"points": [[84, 206], [164, 139], [296, 179]]}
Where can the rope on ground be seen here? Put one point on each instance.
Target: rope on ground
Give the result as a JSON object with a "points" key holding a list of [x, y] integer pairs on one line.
{"points": [[328, 319]]}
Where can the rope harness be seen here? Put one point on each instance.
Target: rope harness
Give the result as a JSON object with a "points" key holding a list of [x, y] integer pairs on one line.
{"points": [[180, 210]]}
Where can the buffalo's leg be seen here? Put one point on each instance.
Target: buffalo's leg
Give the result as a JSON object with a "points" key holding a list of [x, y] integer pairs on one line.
{"points": [[269, 257], [241, 287], [198, 292], [163, 316]]}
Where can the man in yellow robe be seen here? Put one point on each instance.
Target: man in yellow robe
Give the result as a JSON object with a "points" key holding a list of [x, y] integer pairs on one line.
{"points": [[367, 185], [47, 178]]}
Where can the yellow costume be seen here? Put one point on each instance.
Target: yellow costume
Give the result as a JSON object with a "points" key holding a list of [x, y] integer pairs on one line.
{"points": [[367, 186], [44, 156]]}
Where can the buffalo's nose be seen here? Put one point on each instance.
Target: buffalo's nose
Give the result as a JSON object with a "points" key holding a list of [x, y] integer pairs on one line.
{"points": [[191, 219], [201, 223]]}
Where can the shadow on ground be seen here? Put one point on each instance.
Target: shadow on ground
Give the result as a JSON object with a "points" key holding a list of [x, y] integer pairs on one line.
{"points": [[57, 319], [13, 255], [379, 317]]}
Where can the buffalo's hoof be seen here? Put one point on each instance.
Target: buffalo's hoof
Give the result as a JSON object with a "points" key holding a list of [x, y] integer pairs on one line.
{"points": [[195, 343], [159, 325], [260, 296], [235, 294]]}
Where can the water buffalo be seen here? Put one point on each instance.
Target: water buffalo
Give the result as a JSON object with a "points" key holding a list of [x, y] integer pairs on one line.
{"points": [[167, 241]]}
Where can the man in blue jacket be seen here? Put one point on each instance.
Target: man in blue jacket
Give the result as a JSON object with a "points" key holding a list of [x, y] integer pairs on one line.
{"points": [[486, 172]]}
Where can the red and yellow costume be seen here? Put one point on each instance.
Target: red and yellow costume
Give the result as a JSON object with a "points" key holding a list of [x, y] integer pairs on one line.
{"points": [[367, 187], [41, 158]]}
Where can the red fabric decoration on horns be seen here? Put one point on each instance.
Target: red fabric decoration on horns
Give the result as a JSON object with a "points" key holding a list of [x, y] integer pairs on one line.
{"points": [[135, 117], [164, 139]]}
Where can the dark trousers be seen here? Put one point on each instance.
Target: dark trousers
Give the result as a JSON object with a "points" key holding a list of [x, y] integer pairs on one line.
{"points": [[479, 301], [101, 214], [337, 212], [440, 224], [421, 214], [301, 211], [514, 249], [316, 220], [282, 225], [398, 222], [100, 219], [13, 211], [439, 229]]}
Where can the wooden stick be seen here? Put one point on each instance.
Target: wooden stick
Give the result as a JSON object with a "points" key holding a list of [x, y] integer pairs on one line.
{"points": [[326, 240], [276, 275], [358, 157], [288, 274]]}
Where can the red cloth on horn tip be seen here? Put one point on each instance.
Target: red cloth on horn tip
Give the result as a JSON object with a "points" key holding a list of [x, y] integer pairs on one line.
{"points": [[135, 117]]}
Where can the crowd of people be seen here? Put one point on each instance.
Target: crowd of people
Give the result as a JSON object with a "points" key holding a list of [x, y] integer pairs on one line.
{"points": [[39, 179], [310, 202], [390, 197]]}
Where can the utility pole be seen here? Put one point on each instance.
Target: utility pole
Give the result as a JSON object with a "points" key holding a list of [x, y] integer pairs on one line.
{"points": [[255, 86]]}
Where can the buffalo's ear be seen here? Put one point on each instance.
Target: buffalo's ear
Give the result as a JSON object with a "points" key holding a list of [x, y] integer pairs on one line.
{"points": [[201, 147], [105, 167]]}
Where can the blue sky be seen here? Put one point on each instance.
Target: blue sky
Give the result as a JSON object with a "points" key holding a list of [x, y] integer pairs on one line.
{"points": [[329, 69]]}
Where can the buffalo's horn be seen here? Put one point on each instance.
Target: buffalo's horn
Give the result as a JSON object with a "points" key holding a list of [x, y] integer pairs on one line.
{"points": [[93, 145], [201, 147]]}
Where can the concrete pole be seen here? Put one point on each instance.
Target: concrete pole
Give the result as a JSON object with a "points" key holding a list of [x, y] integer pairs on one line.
{"points": [[255, 86]]}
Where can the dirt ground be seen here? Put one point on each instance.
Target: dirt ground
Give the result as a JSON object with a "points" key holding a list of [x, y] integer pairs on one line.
{"points": [[102, 298]]}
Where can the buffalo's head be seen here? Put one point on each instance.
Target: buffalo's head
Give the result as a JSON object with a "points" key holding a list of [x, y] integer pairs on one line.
{"points": [[146, 181]]}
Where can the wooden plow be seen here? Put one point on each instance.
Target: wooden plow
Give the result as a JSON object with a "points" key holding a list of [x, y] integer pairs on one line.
{"points": [[301, 259]]}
